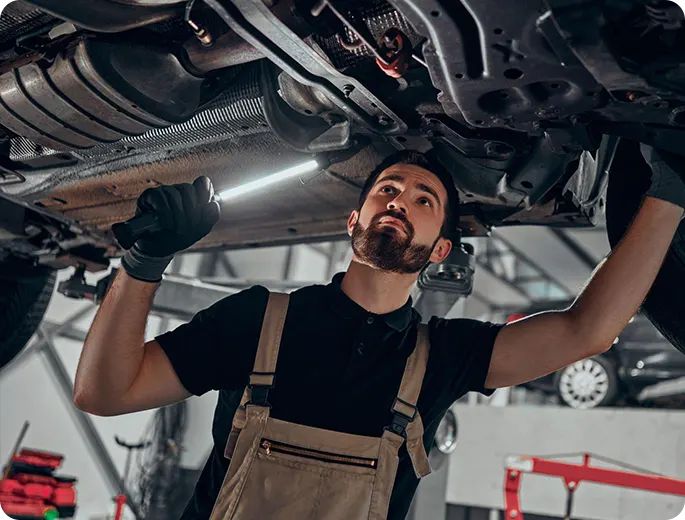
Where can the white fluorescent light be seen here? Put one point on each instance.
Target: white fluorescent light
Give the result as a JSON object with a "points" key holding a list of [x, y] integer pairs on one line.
{"points": [[248, 187]]}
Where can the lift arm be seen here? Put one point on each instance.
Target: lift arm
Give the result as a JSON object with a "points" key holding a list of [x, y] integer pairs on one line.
{"points": [[574, 474]]}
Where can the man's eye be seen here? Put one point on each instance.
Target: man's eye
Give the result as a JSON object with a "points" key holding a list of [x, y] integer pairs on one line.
{"points": [[387, 189], [425, 202]]}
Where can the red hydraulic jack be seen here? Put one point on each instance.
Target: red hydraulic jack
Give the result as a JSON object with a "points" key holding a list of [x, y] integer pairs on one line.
{"points": [[573, 475]]}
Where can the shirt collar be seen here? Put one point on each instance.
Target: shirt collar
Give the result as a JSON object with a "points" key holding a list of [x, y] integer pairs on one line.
{"points": [[399, 319]]}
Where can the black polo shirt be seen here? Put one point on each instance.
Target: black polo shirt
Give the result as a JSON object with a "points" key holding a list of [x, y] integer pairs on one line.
{"points": [[339, 368]]}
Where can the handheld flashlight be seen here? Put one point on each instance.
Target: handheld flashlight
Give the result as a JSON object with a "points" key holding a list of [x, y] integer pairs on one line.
{"points": [[131, 230]]}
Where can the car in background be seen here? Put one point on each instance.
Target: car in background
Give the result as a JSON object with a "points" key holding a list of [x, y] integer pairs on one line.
{"points": [[640, 357]]}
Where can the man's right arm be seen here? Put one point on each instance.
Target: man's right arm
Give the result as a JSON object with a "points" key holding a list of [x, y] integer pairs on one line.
{"points": [[118, 372]]}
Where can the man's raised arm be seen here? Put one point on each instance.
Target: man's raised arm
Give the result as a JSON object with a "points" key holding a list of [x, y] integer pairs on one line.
{"points": [[117, 372], [541, 344]]}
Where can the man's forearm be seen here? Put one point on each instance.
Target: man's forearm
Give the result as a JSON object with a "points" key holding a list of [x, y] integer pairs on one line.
{"points": [[113, 350], [620, 284]]}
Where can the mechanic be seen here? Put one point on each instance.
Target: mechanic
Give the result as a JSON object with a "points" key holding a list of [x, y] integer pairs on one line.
{"points": [[345, 345]]}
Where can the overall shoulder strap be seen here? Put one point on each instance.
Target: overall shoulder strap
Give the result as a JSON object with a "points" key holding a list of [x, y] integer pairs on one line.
{"points": [[262, 376], [406, 421], [404, 407]]}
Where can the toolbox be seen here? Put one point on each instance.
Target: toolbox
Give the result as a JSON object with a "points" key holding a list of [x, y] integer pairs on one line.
{"points": [[30, 489]]}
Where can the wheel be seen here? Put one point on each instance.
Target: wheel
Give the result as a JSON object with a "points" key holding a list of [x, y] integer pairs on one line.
{"points": [[444, 440], [25, 292], [629, 178], [446, 436], [588, 383]]}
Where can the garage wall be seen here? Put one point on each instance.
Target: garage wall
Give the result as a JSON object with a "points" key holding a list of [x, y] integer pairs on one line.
{"points": [[651, 439], [478, 513]]}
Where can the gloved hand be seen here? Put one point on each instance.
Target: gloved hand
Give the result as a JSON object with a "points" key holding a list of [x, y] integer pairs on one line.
{"points": [[186, 213], [668, 175]]}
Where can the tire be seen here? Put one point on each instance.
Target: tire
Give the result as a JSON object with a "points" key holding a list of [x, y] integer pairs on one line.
{"points": [[444, 440], [588, 383], [25, 292], [629, 179]]}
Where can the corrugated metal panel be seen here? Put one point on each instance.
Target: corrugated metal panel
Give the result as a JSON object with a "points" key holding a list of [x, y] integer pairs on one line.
{"points": [[237, 112], [18, 19]]}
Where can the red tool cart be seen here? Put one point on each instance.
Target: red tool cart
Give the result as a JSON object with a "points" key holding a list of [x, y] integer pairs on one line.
{"points": [[574, 474], [30, 489]]}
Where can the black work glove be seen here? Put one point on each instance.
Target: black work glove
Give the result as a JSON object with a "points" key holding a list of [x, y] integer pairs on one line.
{"points": [[668, 175], [186, 213]]}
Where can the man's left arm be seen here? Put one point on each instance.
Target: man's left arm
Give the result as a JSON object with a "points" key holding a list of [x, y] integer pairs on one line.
{"points": [[543, 343]]}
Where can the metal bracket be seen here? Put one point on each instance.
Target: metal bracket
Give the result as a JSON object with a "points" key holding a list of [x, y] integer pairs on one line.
{"points": [[48, 237], [76, 287], [256, 24], [8, 177]]}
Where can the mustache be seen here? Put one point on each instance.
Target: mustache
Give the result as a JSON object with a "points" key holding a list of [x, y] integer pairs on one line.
{"points": [[397, 215]]}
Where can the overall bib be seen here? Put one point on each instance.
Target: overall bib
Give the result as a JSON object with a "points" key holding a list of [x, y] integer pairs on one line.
{"points": [[285, 471]]}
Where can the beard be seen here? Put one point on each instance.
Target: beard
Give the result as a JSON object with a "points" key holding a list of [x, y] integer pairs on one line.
{"points": [[387, 248]]}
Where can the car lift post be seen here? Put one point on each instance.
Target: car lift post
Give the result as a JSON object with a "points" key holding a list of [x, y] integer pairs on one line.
{"points": [[573, 475]]}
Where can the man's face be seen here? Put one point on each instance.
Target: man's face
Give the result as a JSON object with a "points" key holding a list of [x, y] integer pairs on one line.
{"points": [[398, 227]]}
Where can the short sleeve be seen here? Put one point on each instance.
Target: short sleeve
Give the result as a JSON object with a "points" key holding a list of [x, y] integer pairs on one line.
{"points": [[217, 348], [463, 348]]}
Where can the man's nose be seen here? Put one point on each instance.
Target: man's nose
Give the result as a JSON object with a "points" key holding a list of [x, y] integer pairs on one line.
{"points": [[398, 204]]}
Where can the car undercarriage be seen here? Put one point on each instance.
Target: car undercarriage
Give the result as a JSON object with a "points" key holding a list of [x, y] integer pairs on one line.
{"points": [[528, 103]]}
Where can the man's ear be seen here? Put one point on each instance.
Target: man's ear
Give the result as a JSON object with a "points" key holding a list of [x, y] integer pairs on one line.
{"points": [[442, 249], [352, 221]]}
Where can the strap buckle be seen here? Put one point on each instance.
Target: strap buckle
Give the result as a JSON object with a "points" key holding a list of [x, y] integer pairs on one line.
{"points": [[259, 392], [400, 420], [259, 395]]}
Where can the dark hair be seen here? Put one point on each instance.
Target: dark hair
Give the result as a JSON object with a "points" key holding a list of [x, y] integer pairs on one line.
{"points": [[429, 162]]}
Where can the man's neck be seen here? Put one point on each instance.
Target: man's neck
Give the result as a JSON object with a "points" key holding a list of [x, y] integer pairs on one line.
{"points": [[377, 291]]}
